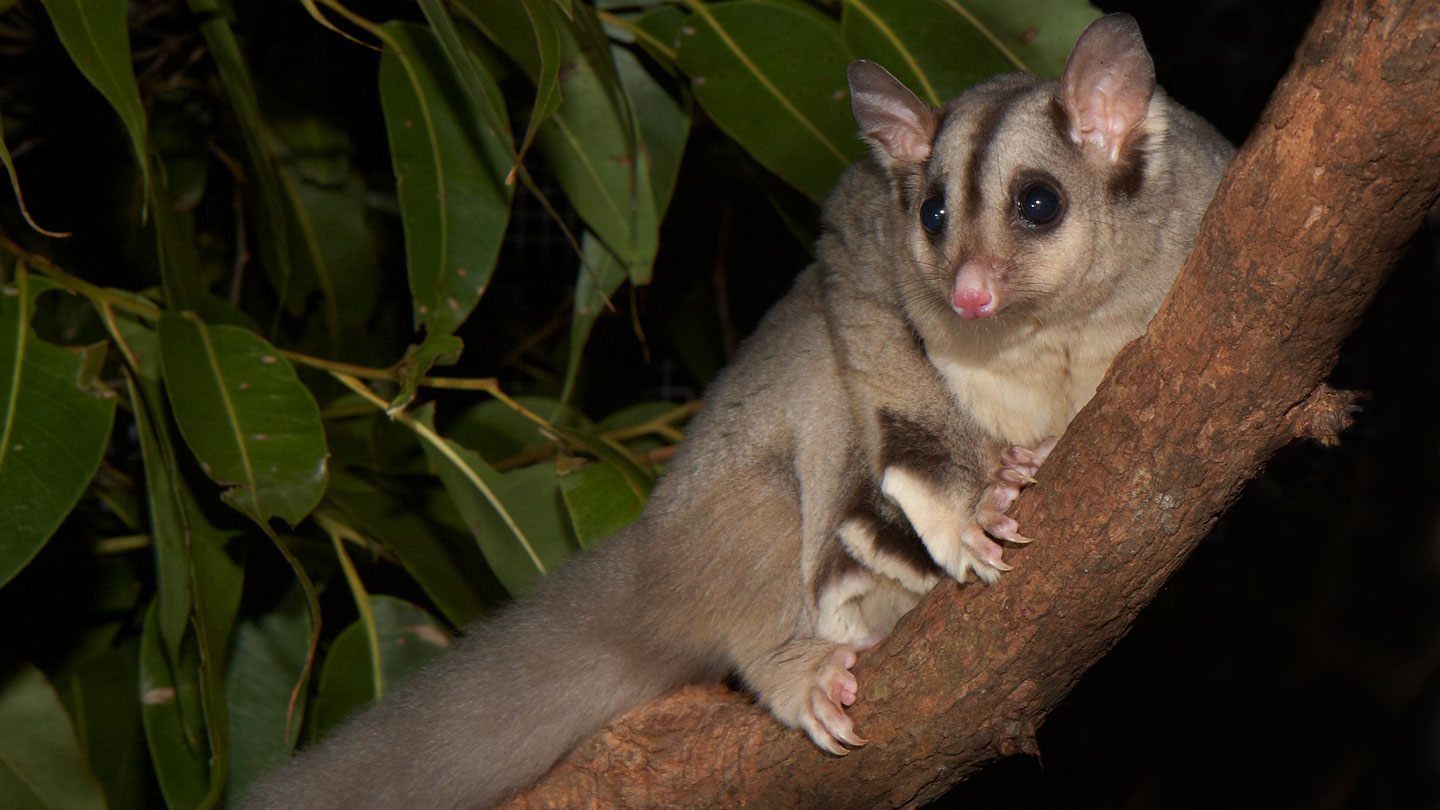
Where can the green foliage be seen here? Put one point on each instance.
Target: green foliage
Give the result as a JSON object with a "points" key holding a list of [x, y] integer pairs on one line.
{"points": [[40, 762], [449, 177], [52, 429], [286, 217]]}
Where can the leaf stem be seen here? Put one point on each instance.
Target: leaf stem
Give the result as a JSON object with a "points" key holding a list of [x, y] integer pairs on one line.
{"points": [[637, 32], [106, 299], [437, 441], [107, 314], [93, 292], [325, 21], [488, 385], [339, 532], [107, 546], [364, 372], [662, 424]]}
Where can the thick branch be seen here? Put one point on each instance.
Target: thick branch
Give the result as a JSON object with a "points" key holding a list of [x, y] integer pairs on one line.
{"points": [[1335, 179]]}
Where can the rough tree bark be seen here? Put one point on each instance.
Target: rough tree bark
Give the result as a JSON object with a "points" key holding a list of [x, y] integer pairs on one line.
{"points": [[1332, 183]]}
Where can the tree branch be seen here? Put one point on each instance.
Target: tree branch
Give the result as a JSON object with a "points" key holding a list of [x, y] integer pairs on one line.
{"points": [[1335, 179]]}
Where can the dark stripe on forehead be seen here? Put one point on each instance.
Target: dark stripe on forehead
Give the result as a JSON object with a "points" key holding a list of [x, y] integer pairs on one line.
{"points": [[987, 127], [942, 117]]}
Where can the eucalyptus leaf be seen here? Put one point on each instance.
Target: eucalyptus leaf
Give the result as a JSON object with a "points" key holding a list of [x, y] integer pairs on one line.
{"points": [[506, 23], [662, 128], [773, 77], [167, 515], [95, 34], [498, 432], [449, 172], [314, 145], [371, 442], [332, 236], [194, 571], [330, 230], [107, 720], [547, 69], [923, 43], [600, 501], [190, 551], [939, 48], [267, 658], [514, 516], [181, 274], [591, 142], [53, 428], [245, 415], [479, 84], [40, 761], [217, 582], [334, 228], [601, 274], [409, 639], [662, 115], [592, 146], [446, 566], [615, 455], [174, 722], [659, 33], [1035, 35], [290, 548], [272, 214], [177, 139]]}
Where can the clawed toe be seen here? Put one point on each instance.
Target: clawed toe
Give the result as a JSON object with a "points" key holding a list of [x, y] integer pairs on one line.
{"points": [[1012, 475], [984, 550], [1000, 526], [834, 689], [1018, 466]]}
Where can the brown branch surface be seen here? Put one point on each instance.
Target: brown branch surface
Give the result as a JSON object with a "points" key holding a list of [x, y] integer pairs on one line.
{"points": [[1333, 182]]}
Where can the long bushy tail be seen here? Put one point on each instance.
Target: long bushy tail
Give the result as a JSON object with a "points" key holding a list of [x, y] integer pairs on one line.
{"points": [[498, 710]]}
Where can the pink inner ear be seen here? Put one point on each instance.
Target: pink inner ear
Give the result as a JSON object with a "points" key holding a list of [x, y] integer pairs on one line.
{"points": [[889, 115], [903, 136], [1108, 82]]}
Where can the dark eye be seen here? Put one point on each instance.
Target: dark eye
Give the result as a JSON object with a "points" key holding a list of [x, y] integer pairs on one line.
{"points": [[1037, 204], [932, 214]]}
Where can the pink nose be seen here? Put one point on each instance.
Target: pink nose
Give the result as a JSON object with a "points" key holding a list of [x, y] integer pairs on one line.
{"points": [[972, 303]]}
